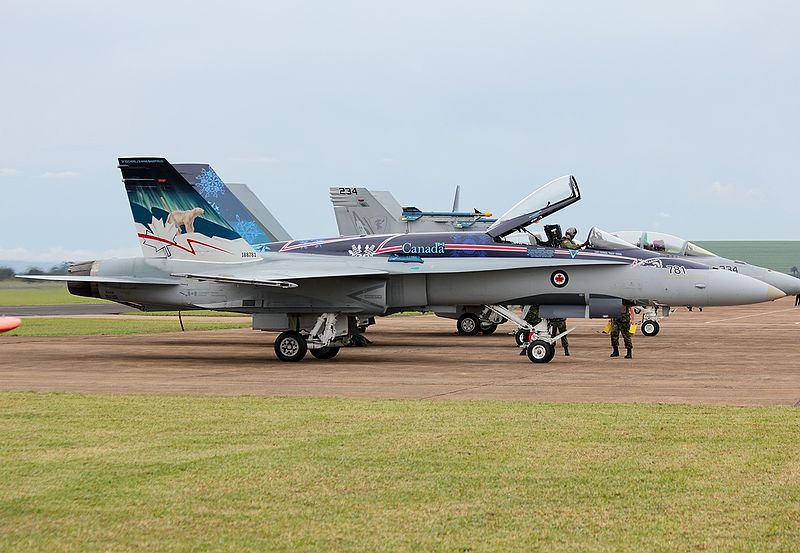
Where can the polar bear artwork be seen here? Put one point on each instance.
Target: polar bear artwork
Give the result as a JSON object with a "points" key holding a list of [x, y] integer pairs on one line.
{"points": [[185, 218]]}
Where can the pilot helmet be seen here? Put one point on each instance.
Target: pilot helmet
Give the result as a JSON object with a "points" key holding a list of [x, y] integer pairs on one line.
{"points": [[571, 232]]}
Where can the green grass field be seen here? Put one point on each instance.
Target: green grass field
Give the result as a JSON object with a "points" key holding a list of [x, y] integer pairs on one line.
{"points": [[16, 292], [118, 473], [776, 255], [80, 326]]}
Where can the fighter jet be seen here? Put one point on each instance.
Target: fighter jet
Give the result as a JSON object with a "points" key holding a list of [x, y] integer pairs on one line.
{"points": [[670, 245], [361, 211], [314, 290], [358, 211]]}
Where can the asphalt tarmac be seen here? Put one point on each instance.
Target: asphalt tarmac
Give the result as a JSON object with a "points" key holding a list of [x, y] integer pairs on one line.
{"points": [[746, 355]]}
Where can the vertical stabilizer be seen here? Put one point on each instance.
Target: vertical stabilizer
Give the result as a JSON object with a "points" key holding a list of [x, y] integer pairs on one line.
{"points": [[243, 210], [457, 198], [358, 212], [172, 219]]}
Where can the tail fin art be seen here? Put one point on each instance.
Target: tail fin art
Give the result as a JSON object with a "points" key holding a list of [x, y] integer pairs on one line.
{"points": [[172, 219], [358, 211], [237, 204]]}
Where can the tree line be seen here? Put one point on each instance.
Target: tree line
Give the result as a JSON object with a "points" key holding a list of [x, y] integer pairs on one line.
{"points": [[60, 269]]}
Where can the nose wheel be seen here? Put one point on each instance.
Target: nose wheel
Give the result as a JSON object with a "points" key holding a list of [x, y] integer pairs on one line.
{"points": [[540, 351], [650, 328]]}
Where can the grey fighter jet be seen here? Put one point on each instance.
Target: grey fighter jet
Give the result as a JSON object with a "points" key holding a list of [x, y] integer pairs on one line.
{"points": [[668, 244], [361, 211], [313, 290]]}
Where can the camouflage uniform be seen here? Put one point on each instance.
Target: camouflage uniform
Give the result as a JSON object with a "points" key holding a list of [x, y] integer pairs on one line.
{"points": [[569, 244], [622, 325], [557, 326], [532, 317]]}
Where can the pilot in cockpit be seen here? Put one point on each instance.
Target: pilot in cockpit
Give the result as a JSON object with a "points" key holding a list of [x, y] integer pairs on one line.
{"points": [[568, 242]]}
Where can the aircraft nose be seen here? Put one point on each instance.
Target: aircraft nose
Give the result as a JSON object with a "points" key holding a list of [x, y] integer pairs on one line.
{"points": [[774, 293], [789, 284], [729, 288]]}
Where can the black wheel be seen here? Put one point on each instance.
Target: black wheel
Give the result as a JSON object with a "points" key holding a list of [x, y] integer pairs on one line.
{"points": [[468, 324], [290, 346], [521, 336], [325, 353], [488, 328], [650, 328], [540, 351]]}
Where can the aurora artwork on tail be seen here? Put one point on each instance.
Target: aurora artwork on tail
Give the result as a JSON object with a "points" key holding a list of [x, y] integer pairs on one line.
{"points": [[174, 221]]}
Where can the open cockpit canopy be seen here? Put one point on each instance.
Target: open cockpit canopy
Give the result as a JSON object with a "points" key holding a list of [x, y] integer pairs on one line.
{"points": [[553, 196], [663, 243], [602, 240]]}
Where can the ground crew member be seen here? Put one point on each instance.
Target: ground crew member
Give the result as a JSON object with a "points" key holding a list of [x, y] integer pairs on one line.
{"points": [[532, 316], [622, 325], [557, 326]]}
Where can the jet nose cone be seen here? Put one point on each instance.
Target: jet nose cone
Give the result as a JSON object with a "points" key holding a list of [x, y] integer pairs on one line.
{"points": [[789, 284], [729, 288], [774, 293]]}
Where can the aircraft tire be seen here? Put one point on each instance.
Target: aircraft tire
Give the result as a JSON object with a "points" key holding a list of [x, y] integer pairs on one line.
{"points": [[521, 336], [488, 328], [325, 353], [540, 351], [650, 328], [468, 324], [290, 346]]}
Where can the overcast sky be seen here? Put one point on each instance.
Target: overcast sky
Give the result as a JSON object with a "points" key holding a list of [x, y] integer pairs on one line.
{"points": [[681, 117]]}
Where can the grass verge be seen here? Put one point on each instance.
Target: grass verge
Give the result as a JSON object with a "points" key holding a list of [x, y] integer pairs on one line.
{"points": [[81, 326], [87, 472], [16, 292]]}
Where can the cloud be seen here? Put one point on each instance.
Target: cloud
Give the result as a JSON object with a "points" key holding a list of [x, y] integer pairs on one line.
{"points": [[60, 174], [255, 159], [9, 172], [57, 254], [733, 192]]}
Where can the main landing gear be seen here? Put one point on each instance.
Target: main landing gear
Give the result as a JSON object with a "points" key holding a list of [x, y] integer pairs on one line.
{"points": [[329, 333], [470, 324]]}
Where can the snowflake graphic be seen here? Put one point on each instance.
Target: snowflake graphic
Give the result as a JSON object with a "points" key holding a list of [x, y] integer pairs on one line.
{"points": [[249, 230], [209, 184]]}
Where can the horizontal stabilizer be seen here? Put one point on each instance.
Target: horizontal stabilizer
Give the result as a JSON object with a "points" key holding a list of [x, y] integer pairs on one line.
{"points": [[101, 279]]}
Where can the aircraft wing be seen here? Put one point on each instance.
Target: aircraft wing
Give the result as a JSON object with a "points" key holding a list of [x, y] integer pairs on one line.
{"points": [[282, 279], [100, 279]]}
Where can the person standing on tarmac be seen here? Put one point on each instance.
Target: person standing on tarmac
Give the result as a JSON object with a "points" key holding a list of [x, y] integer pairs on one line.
{"points": [[557, 326], [622, 324]]}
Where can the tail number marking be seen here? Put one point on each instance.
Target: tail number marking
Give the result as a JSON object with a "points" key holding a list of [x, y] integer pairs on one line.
{"points": [[348, 191]]}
